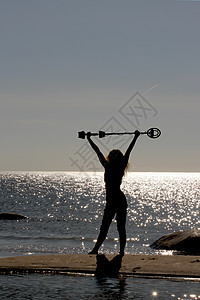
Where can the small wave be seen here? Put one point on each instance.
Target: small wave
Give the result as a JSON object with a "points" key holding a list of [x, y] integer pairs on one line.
{"points": [[47, 238]]}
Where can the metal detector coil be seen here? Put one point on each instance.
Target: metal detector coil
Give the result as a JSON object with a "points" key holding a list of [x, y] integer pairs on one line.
{"points": [[153, 133]]}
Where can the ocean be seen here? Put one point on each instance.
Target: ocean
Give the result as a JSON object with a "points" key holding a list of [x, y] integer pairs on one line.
{"points": [[64, 212]]}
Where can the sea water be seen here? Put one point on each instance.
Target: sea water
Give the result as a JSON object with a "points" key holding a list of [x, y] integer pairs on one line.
{"points": [[64, 212]]}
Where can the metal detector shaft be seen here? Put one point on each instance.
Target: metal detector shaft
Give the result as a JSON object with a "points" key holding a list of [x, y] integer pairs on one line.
{"points": [[151, 132], [121, 133]]}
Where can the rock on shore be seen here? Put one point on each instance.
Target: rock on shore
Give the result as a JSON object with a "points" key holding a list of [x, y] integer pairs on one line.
{"points": [[186, 241], [11, 216]]}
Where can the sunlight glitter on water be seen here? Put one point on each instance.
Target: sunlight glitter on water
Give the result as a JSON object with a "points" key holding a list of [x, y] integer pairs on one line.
{"points": [[171, 197], [64, 216], [70, 205]]}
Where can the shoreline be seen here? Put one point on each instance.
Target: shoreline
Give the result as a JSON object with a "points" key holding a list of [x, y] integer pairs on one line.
{"points": [[148, 266]]}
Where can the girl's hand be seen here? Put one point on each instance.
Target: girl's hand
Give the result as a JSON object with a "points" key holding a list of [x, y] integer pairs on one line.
{"points": [[137, 133], [88, 135]]}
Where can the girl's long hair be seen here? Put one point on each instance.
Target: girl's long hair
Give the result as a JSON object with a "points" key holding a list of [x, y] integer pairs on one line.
{"points": [[116, 158]]}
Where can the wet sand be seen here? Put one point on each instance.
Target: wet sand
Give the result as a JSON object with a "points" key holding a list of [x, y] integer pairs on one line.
{"points": [[131, 265]]}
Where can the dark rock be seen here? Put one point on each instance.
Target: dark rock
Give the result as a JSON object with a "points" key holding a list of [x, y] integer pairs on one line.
{"points": [[186, 241], [11, 216]]}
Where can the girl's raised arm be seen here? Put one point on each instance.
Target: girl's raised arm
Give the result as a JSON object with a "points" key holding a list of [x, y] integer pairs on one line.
{"points": [[130, 147], [101, 157]]}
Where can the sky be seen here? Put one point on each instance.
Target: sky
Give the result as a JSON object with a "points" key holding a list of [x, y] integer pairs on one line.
{"points": [[73, 65]]}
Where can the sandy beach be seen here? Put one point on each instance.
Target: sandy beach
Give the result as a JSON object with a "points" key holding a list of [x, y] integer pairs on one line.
{"points": [[131, 265]]}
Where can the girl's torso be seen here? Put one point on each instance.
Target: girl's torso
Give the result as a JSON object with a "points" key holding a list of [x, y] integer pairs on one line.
{"points": [[113, 179]]}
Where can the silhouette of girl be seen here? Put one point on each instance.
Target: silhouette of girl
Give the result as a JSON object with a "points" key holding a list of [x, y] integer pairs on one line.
{"points": [[115, 165]]}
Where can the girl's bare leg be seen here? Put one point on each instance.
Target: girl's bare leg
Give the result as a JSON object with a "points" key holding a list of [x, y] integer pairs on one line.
{"points": [[107, 219]]}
